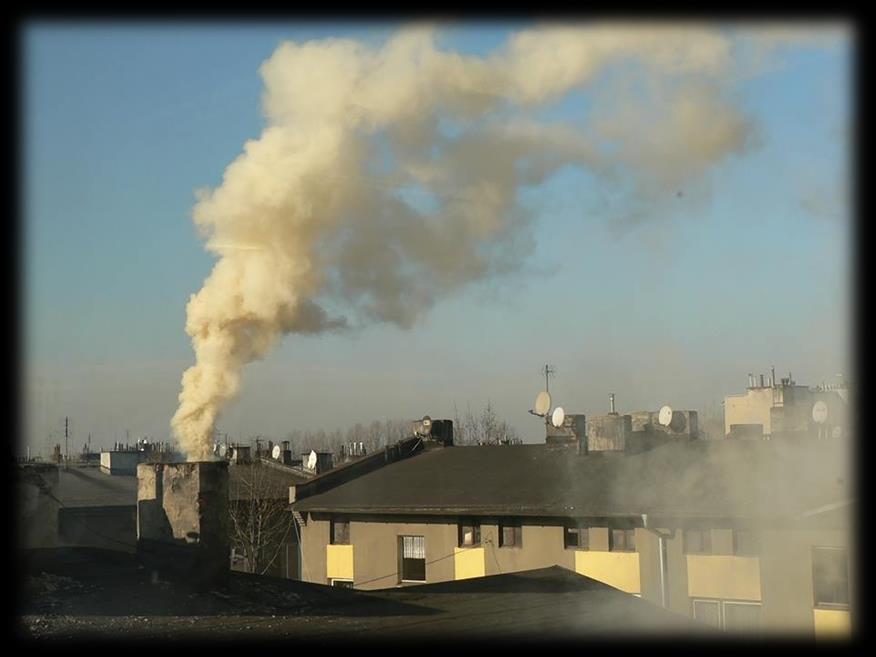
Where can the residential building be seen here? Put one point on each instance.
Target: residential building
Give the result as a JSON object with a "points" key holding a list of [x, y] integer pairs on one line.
{"points": [[739, 534], [771, 407]]}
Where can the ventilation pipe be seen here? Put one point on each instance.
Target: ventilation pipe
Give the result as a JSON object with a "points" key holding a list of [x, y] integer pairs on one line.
{"points": [[611, 403]]}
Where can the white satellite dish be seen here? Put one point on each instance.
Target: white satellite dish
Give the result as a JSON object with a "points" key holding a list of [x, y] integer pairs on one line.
{"points": [[542, 403], [837, 432], [819, 412], [664, 417], [275, 453], [558, 416], [427, 425], [223, 449], [311, 461]]}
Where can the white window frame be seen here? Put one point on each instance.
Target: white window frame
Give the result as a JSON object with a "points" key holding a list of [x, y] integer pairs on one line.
{"points": [[722, 605]]}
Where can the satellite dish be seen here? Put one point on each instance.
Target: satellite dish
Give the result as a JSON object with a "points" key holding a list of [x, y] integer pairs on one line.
{"points": [[558, 416], [837, 432], [427, 425], [223, 449], [664, 417], [542, 403], [819, 412], [275, 453], [311, 461]]}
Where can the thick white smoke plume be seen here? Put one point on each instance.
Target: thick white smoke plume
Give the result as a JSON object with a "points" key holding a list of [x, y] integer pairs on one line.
{"points": [[387, 178]]}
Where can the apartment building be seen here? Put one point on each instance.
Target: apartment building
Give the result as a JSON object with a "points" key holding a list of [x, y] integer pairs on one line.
{"points": [[744, 535]]}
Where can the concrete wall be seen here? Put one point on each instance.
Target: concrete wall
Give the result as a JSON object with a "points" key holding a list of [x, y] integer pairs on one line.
{"points": [[120, 463], [182, 518], [751, 407], [608, 432]]}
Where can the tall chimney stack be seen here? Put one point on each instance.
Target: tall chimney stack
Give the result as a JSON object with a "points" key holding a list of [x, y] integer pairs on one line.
{"points": [[611, 403], [761, 381]]}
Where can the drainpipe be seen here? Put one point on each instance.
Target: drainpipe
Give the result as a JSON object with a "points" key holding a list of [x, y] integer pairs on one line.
{"points": [[661, 552]]}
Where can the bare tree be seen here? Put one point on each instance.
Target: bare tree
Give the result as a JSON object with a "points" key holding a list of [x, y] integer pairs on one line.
{"points": [[261, 524], [485, 428]]}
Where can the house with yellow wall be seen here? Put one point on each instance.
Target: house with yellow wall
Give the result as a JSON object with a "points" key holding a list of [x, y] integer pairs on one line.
{"points": [[748, 536]]}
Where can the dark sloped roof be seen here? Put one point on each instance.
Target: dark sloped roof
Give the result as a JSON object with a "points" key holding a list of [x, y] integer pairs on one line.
{"points": [[266, 481], [699, 478], [89, 487], [81, 592]]}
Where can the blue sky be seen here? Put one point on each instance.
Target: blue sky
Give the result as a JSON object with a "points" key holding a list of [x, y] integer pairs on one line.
{"points": [[123, 122]]}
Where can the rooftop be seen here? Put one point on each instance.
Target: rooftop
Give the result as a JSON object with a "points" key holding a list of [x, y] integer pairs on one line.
{"points": [[86, 486], [84, 592], [700, 478]]}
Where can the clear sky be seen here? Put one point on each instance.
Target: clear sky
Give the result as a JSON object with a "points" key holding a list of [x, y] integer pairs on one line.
{"points": [[122, 122]]}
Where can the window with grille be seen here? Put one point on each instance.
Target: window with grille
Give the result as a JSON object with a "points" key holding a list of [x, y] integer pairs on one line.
{"points": [[741, 617], [340, 532], [510, 534], [469, 533], [622, 540], [412, 557], [730, 615], [697, 541], [830, 576], [576, 537], [746, 542], [342, 583], [707, 611]]}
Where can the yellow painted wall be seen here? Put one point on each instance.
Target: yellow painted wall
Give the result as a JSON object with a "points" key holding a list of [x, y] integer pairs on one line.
{"points": [[468, 562], [723, 576], [832, 623], [339, 561], [617, 569]]}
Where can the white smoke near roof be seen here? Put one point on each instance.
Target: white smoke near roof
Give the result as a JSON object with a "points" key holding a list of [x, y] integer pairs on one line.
{"points": [[387, 178]]}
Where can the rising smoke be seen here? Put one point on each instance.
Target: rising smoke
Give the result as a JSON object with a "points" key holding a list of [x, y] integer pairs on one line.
{"points": [[387, 178]]}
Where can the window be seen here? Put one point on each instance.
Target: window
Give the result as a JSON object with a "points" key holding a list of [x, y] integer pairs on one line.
{"points": [[469, 533], [730, 615], [510, 534], [340, 532], [746, 542], [741, 617], [576, 537], [708, 612], [697, 541], [622, 540], [830, 577], [342, 583], [412, 558]]}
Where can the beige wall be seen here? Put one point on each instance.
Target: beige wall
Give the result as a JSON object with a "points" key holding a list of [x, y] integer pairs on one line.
{"points": [[375, 551], [780, 577], [752, 407], [786, 576]]}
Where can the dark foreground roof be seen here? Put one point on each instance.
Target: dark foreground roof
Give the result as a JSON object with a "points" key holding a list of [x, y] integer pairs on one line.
{"points": [[72, 593], [725, 478]]}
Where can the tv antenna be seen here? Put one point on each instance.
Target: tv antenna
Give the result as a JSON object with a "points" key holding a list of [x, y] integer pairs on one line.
{"points": [[548, 371]]}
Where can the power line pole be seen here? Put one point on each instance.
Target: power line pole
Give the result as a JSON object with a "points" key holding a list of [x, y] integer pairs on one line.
{"points": [[66, 448]]}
